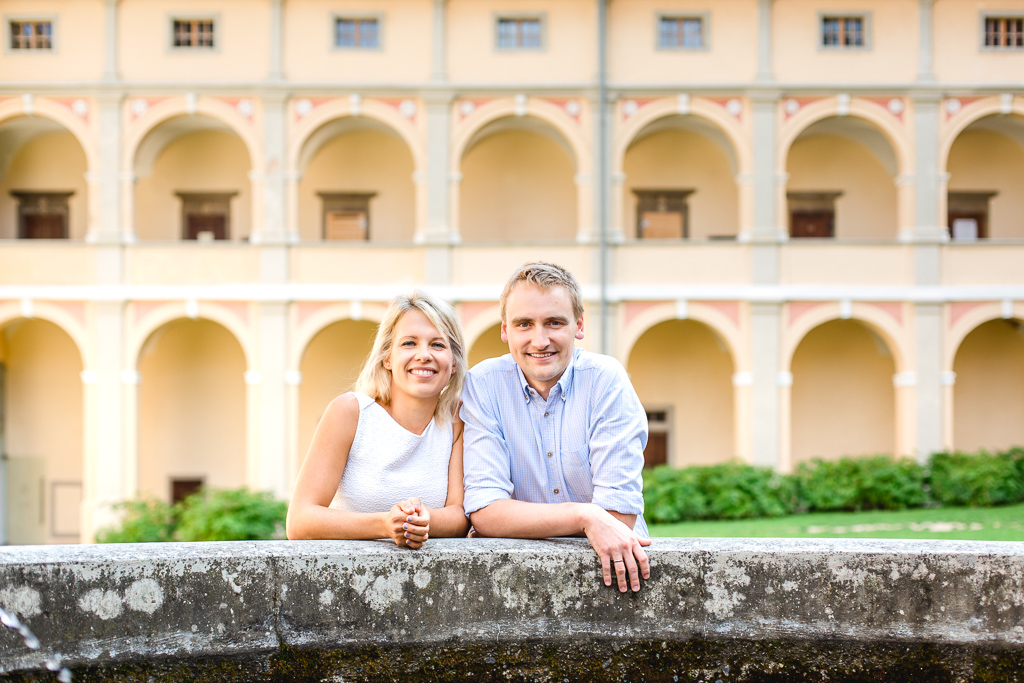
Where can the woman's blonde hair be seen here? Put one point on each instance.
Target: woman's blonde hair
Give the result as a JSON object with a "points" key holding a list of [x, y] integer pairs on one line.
{"points": [[375, 380]]}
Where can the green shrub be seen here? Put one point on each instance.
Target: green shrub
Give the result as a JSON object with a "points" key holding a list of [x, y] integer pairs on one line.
{"points": [[673, 495], [886, 483], [209, 515], [827, 485], [736, 491], [230, 515], [142, 521], [977, 479]]}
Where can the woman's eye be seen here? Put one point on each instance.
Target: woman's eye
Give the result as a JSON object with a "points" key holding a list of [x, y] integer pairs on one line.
{"points": [[438, 345]]}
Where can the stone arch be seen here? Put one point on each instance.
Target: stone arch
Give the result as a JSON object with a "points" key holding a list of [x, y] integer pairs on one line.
{"points": [[171, 108], [55, 314], [879, 322], [324, 317], [859, 108], [700, 108], [480, 321], [60, 114], [969, 322], [155, 319], [546, 112], [327, 112], [972, 113], [726, 330]]}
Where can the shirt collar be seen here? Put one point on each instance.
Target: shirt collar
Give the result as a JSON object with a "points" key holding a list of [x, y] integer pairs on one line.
{"points": [[563, 385]]}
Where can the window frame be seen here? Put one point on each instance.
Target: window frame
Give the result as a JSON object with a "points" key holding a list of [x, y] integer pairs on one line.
{"points": [[540, 17], [983, 18], [34, 18], [213, 17], [705, 31], [867, 25], [355, 16]]}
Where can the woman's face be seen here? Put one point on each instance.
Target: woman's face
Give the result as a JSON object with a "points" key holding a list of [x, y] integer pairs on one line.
{"points": [[421, 357]]}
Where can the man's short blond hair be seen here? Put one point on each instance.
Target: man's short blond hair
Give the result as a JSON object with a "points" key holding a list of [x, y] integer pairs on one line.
{"points": [[544, 275]]}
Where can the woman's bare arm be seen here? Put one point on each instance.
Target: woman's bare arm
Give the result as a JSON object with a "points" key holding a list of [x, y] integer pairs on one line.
{"points": [[309, 514]]}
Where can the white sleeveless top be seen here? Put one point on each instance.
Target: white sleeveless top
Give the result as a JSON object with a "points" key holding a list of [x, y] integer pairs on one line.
{"points": [[388, 463]]}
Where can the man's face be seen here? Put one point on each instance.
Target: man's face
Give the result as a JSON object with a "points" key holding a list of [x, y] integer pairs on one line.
{"points": [[540, 331]]}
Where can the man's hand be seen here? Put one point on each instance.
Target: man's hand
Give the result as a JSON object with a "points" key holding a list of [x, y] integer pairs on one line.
{"points": [[409, 523], [618, 547]]}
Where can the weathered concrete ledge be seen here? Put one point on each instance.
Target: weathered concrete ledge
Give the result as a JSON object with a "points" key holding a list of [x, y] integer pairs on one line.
{"points": [[776, 609]]}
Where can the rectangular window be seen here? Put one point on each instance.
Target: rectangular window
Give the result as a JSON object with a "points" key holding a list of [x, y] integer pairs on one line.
{"points": [[842, 31], [519, 33], [42, 215], [662, 214], [685, 33], [1005, 32], [205, 216], [357, 33], [346, 215], [31, 35], [193, 33]]}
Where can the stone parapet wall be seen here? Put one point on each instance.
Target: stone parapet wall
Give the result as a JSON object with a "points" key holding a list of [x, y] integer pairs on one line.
{"points": [[530, 609]]}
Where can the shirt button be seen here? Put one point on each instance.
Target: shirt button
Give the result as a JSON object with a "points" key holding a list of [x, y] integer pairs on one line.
{"points": [[545, 414], [556, 490], [549, 454]]}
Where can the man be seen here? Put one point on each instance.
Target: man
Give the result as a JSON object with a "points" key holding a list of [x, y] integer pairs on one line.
{"points": [[555, 435]]}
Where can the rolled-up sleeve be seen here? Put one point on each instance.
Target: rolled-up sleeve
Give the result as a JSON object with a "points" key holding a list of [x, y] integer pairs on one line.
{"points": [[618, 437], [485, 455]]}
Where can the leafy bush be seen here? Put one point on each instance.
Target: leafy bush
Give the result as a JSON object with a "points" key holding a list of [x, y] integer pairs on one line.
{"points": [[827, 485], [885, 483], [977, 479], [209, 515], [230, 515], [142, 521], [672, 495], [736, 491]]}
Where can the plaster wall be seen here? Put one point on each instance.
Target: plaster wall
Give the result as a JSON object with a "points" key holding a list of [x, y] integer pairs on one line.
{"points": [[43, 429], [568, 53], [988, 397], [685, 161], [364, 161], [985, 161], [404, 54], [843, 401], [683, 365], [634, 56], [488, 345], [206, 161], [827, 163], [240, 52], [960, 56], [517, 186], [192, 402], [345, 263], [78, 49], [52, 162], [890, 55], [330, 367]]}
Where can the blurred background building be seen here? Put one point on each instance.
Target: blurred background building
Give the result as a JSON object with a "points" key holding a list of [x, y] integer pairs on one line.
{"points": [[800, 223]]}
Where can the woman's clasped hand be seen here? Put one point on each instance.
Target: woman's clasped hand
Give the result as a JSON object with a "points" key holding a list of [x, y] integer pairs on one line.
{"points": [[410, 523]]}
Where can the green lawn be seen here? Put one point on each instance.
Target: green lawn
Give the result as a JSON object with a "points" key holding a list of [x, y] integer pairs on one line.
{"points": [[968, 524]]}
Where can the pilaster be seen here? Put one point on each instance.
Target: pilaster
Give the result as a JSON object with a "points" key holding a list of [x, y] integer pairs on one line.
{"points": [[104, 476], [270, 471], [105, 224], [275, 45], [929, 428], [439, 174], [274, 190], [438, 54], [764, 40], [111, 40], [766, 416], [925, 41]]}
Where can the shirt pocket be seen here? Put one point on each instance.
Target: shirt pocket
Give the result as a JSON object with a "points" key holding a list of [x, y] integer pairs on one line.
{"points": [[576, 469]]}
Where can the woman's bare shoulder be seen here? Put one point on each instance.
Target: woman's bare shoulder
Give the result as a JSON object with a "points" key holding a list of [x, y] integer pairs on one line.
{"points": [[343, 409]]}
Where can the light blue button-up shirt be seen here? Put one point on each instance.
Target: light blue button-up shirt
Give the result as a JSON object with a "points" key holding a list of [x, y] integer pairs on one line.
{"points": [[584, 444]]}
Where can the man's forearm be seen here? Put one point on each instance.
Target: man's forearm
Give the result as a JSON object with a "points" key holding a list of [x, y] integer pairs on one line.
{"points": [[518, 519]]}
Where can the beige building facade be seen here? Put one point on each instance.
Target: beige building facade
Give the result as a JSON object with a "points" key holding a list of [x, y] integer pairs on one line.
{"points": [[799, 223]]}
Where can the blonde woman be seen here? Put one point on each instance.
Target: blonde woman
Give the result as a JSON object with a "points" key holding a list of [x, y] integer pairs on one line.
{"points": [[386, 459]]}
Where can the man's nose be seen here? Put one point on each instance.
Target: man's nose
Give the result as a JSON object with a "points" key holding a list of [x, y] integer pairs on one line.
{"points": [[540, 337]]}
